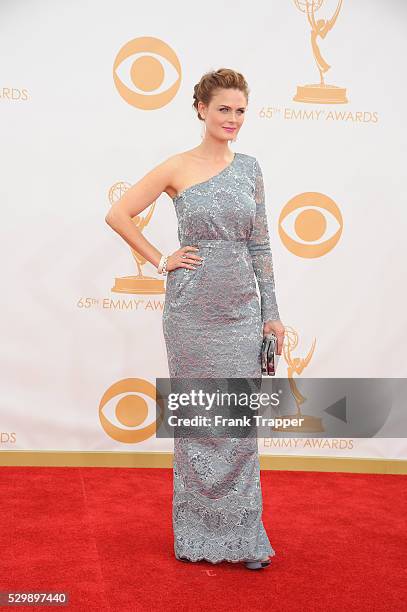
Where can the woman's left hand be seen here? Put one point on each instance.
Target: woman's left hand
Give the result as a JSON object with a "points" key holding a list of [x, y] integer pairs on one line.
{"points": [[276, 327]]}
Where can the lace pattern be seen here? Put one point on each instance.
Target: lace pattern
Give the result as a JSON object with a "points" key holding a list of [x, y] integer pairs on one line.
{"points": [[212, 324], [259, 248]]}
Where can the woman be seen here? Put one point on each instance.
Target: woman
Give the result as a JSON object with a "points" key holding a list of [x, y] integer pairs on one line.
{"points": [[213, 323]]}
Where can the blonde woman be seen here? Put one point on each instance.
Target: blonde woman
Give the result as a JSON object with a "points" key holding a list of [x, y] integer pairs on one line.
{"points": [[213, 322]]}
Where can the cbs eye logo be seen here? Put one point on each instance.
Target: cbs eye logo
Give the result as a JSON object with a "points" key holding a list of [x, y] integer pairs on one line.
{"points": [[123, 418], [310, 224], [147, 73]]}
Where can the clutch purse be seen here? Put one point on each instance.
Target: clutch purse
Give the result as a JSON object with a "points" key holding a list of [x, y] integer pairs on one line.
{"points": [[269, 358]]}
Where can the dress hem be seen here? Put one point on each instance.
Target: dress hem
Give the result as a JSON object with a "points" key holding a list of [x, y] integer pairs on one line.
{"points": [[230, 560]]}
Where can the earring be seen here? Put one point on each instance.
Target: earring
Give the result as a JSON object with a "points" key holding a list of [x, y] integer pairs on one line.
{"points": [[203, 130]]}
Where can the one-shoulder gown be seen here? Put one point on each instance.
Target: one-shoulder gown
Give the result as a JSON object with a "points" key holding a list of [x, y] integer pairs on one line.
{"points": [[213, 328]]}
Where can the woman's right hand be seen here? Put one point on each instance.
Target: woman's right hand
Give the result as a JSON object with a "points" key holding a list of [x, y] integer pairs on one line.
{"points": [[184, 258]]}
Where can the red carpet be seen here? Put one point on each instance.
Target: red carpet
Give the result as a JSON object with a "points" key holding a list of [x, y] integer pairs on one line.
{"points": [[104, 535]]}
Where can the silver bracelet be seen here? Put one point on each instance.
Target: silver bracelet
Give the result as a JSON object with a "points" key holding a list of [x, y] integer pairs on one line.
{"points": [[162, 266]]}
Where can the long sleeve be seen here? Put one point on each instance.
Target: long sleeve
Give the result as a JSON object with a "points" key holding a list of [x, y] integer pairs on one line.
{"points": [[259, 248]]}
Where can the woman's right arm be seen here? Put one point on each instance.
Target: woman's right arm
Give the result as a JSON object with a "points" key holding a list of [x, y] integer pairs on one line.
{"points": [[134, 201]]}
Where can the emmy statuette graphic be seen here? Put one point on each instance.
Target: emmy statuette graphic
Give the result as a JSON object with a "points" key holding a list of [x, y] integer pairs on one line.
{"points": [[320, 93], [296, 365], [139, 283]]}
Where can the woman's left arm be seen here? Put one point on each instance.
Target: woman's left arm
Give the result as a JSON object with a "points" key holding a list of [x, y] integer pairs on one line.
{"points": [[262, 259]]}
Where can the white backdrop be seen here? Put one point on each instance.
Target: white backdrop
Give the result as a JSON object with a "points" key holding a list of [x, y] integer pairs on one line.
{"points": [[71, 134]]}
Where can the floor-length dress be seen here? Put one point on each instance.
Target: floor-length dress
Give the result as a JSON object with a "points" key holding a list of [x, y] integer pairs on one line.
{"points": [[212, 324]]}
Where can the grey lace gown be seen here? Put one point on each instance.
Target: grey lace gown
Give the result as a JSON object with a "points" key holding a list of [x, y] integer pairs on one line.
{"points": [[212, 324]]}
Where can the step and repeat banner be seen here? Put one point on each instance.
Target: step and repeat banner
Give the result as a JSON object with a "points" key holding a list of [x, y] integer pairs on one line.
{"points": [[92, 96]]}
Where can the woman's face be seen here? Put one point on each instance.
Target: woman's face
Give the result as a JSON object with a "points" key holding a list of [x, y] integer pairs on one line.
{"points": [[225, 110]]}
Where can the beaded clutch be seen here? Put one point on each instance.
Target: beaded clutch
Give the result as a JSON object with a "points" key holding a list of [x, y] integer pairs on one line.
{"points": [[269, 358]]}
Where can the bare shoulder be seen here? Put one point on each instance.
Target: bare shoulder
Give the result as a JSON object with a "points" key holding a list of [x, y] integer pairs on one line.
{"points": [[162, 175], [167, 166], [147, 189], [177, 165], [179, 159], [174, 162]]}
